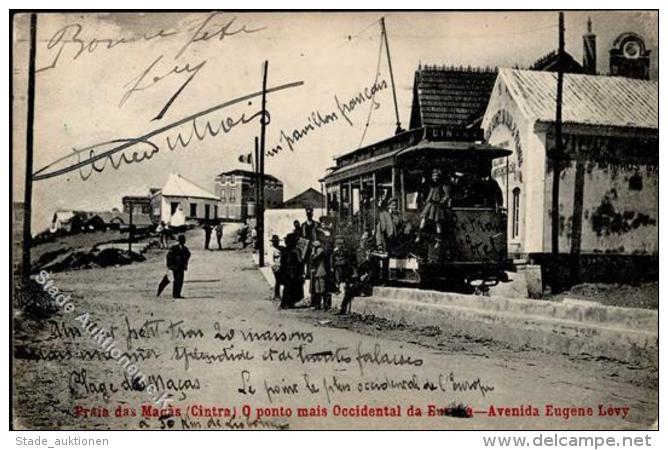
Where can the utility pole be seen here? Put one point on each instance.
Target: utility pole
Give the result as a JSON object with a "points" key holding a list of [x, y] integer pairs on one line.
{"points": [[27, 199], [557, 153], [389, 63], [256, 170], [263, 130], [130, 232]]}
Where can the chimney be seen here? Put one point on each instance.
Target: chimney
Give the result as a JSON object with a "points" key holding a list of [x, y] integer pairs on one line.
{"points": [[589, 50]]}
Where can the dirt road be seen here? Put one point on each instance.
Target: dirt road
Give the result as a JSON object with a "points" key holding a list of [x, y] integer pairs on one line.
{"points": [[226, 352]]}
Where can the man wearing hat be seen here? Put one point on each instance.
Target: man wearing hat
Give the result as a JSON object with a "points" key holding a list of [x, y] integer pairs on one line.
{"points": [[388, 225], [276, 255], [310, 226], [177, 261], [387, 231], [318, 276], [309, 233]]}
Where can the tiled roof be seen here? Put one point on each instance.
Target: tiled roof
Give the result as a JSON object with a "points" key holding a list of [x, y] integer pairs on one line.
{"points": [[449, 96], [588, 99]]}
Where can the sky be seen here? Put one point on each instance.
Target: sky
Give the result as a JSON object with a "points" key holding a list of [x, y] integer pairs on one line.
{"points": [[114, 77]]}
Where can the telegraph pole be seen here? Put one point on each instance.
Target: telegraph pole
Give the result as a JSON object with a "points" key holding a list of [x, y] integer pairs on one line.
{"points": [[263, 129], [130, 231], [256, 169], [27, 200], [558, 151]]}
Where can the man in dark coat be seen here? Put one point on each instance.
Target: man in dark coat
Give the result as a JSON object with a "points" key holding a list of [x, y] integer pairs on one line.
{"points": [[207, 235], [277, 251], [292, 273], [389, 225], [219, 235], [309, 232], [310, 226], [177, 262]]}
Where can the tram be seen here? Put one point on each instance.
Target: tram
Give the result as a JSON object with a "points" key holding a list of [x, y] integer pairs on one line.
{"points": [[471, 249]]}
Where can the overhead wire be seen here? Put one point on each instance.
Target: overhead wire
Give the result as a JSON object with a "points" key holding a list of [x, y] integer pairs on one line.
{"points": [[373, 95]]}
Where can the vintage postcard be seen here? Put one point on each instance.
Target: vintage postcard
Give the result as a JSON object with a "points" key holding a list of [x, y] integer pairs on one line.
{"points": [[310, 220]]}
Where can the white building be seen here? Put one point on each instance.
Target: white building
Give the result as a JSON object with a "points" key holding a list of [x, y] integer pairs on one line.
{"points": [[608, 195], [181, 200]]}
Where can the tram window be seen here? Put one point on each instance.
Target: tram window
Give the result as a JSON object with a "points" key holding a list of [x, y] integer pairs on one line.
{"points": [[333, 202], [345, 200], [516, 213], [413, 183], [412, 200], [356, 200], [384, 186]]}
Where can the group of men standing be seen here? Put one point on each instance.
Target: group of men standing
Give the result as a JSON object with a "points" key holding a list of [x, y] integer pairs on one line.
{"points": [[312, 251]]}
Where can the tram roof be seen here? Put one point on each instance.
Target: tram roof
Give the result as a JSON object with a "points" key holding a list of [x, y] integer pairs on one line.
{"points": [[391, 158], [456, 148]]}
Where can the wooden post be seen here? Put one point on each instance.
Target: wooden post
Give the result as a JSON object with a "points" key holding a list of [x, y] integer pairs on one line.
{"points": [[263, 130], [349, 209], [360, 210], [402, 192], [130, 231], [27, 199], [375, 198], [256, 169]]}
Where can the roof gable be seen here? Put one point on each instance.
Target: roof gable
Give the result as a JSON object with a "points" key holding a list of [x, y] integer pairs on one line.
{"points": [[310, 198], [550, 63], [177, 186], [449, 96]]}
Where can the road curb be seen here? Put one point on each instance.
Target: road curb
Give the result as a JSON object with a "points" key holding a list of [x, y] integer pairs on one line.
{"points": [[571, 328]]}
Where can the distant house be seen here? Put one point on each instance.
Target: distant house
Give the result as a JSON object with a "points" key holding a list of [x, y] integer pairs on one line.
{"points": [[116, 220], [181, 200], [96, 223], [98, 220], [236, 189], [72, 221], [310, 198], [68, 221]]}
